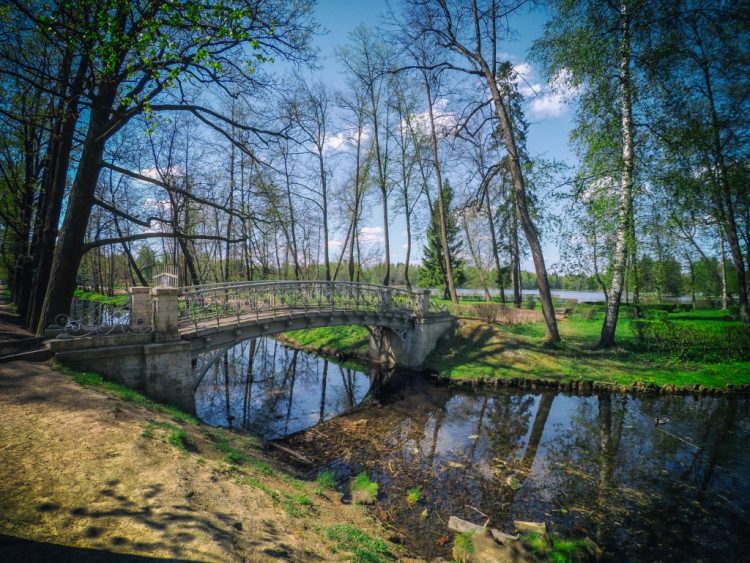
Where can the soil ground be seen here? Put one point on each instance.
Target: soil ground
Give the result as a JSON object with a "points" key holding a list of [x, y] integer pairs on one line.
{"points": [[86, 476]]}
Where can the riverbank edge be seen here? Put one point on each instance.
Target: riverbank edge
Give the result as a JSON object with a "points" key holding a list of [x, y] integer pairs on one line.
{"points": [[577, 386]]}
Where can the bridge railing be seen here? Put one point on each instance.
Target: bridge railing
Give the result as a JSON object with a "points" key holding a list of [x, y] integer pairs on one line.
{"points": [[87, 317], [278, 298]]}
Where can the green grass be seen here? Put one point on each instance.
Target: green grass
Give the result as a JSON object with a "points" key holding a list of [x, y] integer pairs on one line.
{"points": [[363, 548], [90, 379], [326, 479], [413, 495], [297, 505], [480, 351], [463, 547], [486, 352], [169, 433], [346, 339], [364, 491], [234, 451], [562, 550], [100, 297]]}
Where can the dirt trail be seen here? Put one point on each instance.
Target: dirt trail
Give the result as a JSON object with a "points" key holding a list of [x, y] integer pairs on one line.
{"points": [[81, 468]]}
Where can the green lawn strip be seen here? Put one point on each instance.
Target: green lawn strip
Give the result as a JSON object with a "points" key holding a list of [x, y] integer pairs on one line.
{"points": [[352, 340], [115, 300], [482, 351]]}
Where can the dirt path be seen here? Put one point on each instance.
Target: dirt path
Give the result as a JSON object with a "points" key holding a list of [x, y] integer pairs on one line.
{"points": [[83, 469], [11, 328]]}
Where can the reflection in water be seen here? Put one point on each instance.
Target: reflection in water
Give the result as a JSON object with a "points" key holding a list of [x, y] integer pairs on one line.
{"points": [[262, 386], [595, 466]]}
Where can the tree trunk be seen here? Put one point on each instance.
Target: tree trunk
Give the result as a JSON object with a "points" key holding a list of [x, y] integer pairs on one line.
{"points": [[475, 259], [516, 258], [493, 238], [607, 338], [519, 188], [722, 256], [69, 250], [440, 199]]}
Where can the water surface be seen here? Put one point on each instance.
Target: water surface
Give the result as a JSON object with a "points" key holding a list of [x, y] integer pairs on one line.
{"points": [[597, 466]]}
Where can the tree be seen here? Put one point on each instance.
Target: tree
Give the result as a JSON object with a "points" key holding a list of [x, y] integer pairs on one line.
{"points": [[432, 271], [471, 30], [143, 57], [590, 44]]}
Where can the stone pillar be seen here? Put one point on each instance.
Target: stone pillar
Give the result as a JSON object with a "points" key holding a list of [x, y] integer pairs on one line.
{"points": [[165, 313], [425, 297], [140, 306]]}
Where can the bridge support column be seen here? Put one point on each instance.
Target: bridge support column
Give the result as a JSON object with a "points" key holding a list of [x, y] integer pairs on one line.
{"points": [[409, 348]]}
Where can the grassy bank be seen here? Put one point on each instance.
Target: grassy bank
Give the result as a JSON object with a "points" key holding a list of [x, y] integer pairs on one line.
{"points": [[89, 464], [515, 354], [347, 341]]}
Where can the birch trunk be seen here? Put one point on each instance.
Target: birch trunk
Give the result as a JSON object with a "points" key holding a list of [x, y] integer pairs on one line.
{"points": [[607, 338]]}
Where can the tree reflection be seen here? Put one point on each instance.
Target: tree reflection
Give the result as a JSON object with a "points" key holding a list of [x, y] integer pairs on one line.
{"points": [[264, 387]]}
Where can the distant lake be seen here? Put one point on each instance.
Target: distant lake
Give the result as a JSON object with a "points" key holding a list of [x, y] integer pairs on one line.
{"points": [[581, 296]]}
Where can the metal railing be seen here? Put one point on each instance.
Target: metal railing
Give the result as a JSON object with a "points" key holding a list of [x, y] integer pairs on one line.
{"points": [[87, 318], [274, 299]]}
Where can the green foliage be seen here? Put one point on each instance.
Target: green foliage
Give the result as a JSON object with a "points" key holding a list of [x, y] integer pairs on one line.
{"points": [[364, 491], [364, 548], [413, 495], [432, 271], [463, 546], [326, 479], [561, 550]]}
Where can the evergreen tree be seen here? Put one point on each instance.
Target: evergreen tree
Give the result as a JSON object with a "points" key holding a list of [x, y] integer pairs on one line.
{"points": [[432, 271]]}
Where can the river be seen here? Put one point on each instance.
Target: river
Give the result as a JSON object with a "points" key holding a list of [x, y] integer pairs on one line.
{"points": [[597, 465]]}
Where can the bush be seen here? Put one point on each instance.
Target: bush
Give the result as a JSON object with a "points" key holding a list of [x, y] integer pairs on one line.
{"points": [[487, 312]]}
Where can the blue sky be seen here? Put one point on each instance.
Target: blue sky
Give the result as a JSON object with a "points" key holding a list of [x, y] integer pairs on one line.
{"points": [[550, 121]]}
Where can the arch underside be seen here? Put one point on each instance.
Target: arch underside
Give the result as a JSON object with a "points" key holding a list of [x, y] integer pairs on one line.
{"points": [[210, 341]]}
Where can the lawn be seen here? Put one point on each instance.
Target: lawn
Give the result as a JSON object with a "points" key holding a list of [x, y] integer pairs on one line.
{"points": [[482, 351]]}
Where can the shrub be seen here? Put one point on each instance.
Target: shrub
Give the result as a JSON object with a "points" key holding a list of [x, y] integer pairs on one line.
{"points": [[487, 312]]}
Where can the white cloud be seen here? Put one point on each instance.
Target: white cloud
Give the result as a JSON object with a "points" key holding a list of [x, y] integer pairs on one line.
{"points": [[157, 174], [342, 139], [547, 105], [335, 243], [445, 120], [545, 100], [372, 235]]}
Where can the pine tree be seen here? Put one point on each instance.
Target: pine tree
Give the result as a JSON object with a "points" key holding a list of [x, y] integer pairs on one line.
{"points": [[432, 271]]}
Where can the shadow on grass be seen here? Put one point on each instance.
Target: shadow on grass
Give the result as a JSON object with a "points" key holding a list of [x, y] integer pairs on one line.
{"points": [[28, 551]]}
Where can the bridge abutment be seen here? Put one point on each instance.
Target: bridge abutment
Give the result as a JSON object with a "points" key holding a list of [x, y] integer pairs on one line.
{"points": [[409, 348]]}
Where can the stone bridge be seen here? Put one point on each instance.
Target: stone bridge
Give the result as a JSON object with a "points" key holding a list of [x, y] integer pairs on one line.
{"points": [[165, 339]]}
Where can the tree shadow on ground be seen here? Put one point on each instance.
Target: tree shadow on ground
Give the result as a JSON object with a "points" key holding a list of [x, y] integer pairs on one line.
{"points": [[16, 549]]}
